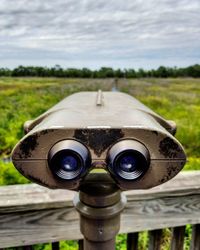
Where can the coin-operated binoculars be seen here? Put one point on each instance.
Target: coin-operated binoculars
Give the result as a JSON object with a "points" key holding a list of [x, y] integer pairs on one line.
{"points": [[99, 144]]}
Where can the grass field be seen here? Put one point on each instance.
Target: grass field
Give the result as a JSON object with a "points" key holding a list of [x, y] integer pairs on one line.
{"points": [[22, 99]]}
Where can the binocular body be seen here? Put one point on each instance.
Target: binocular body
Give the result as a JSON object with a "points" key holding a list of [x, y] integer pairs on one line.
{"points": [[99, 130]]}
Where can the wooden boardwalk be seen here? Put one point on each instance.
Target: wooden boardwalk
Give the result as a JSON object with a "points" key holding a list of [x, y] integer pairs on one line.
{"points": [[31, 214]]}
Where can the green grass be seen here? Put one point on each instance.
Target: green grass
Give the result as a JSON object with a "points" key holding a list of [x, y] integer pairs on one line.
{"points": [[25, 98], [22, 99], [178, 100]]}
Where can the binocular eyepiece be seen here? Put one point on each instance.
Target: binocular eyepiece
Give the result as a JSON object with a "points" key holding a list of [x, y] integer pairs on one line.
{"points": [[70, 160], [90, 130], [128, 159]]}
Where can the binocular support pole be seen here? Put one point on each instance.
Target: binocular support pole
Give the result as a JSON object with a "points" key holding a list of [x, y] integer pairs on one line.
{"points": [[99, 204]]}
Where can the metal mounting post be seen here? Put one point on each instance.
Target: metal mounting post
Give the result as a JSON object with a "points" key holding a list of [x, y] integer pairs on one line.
{"points": [[99, 203]]}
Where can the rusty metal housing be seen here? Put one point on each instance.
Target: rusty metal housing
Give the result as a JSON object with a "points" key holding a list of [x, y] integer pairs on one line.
{"points": [[99, 120]]}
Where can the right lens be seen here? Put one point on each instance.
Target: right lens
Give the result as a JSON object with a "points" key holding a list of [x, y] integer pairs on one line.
{"points": [[69, 160], [128, 159], [128, 163]]}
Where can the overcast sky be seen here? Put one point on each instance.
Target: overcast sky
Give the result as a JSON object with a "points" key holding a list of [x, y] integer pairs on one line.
{"points": [[95, 33]]}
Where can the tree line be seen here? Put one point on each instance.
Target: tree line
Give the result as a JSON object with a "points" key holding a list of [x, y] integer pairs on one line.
{"points": [[104, 72]]}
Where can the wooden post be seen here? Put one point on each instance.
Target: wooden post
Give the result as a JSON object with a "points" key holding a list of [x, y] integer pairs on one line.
{"points": [[55, 246], [80, 245], [195, 242], [155, 237], [132, 241], [178, 234]]}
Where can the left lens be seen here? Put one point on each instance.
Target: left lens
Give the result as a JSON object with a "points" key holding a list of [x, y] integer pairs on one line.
{"points": [[69, 160], [67, 164]]}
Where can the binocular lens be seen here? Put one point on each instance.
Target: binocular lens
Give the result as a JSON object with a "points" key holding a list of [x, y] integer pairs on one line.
{"points": [[69, 159], [128, 163], [69, 163], [128, 159]]}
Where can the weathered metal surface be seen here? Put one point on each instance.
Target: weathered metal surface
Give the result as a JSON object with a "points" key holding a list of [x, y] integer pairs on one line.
{"points": [[105, 245], [98, 127], [100, 207], [98, 140]]}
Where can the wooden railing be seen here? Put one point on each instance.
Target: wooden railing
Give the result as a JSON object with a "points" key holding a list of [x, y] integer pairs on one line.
{"points": [[30, 214]]}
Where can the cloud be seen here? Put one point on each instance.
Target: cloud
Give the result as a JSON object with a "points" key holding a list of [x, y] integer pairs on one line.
{"points": [[96, 33]]}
